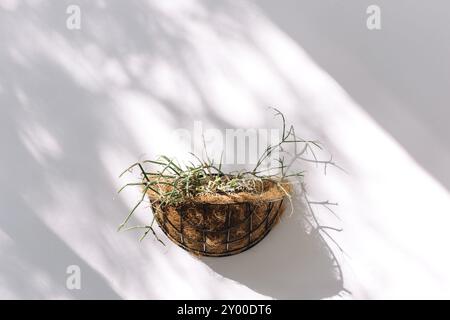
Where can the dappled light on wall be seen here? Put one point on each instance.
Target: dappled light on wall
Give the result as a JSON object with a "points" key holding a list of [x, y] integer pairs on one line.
{"points": [[78, 106]]}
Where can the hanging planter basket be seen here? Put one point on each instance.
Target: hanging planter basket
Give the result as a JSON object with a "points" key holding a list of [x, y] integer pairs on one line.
{"points": [[211, 212], [221, 225]]}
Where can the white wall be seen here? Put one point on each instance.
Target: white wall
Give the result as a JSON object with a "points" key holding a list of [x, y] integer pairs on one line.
{"points": [[399, 74], [78, 106]]}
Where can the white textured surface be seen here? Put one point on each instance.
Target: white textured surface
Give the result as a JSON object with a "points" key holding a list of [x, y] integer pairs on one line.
{"points": [[79, 106]]}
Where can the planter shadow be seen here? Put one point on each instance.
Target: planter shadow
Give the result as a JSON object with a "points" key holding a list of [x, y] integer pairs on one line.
{"points": [[288, 264]]}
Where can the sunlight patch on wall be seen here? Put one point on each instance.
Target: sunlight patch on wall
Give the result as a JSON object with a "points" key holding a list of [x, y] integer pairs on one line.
{"points": [[9, 5], [40, 142]]}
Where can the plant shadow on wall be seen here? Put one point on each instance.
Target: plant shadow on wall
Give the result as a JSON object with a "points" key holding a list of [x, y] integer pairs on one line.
{"points": [[212, 212], [289, 264], [295, 261]]}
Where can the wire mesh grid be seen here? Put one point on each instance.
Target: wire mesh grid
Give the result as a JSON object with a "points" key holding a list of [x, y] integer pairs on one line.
{"points": [[218, 230]]}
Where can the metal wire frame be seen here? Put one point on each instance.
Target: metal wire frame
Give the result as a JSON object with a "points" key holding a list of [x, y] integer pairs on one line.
{"points": [[267, 222]]}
